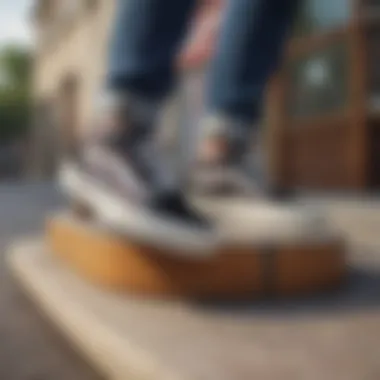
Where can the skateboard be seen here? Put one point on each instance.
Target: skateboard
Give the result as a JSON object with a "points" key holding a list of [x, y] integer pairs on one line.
{"points": [[237, 270], [262, 248]]}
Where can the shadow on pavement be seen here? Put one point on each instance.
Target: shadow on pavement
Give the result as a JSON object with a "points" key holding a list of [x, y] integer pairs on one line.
{"points": [[360, 293]]}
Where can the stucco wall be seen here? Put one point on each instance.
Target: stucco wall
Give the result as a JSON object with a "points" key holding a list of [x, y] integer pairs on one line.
{"points": [[78, 51]]}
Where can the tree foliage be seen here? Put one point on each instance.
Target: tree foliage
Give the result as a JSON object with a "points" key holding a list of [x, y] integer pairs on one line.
{"points": [[15, 92]]}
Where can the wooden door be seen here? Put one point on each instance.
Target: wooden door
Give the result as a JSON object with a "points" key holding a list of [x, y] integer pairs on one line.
{"points": [[320, 128]]}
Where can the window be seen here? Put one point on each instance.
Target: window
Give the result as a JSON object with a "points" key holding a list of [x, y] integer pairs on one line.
{"points": [[69, 8], [91, 5], [317, 16], [373, 51], [319, 81], [371, 4]]}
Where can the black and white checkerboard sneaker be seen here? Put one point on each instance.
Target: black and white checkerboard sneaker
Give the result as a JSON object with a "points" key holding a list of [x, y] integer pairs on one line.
{"points": [[231, 162], [116, 175]]}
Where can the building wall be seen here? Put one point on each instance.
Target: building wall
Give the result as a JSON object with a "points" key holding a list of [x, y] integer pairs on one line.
{"points": [[70, 61], [74, 48]]}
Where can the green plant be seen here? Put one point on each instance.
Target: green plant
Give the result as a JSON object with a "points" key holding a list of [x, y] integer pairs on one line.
{"points": [[15, 92]]}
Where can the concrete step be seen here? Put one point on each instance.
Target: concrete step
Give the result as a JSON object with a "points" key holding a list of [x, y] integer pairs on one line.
{"points": [[133, 338]]}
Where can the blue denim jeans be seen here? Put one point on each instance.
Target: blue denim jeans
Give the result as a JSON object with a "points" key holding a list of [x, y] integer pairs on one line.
{"points": [[148, 35]]}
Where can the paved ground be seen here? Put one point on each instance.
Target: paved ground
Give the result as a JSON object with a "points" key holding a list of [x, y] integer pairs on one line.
{"points": [[30, 349]]}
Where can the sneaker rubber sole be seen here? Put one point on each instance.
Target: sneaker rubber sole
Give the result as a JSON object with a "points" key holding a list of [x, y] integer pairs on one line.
{"points": [[134, 220]]}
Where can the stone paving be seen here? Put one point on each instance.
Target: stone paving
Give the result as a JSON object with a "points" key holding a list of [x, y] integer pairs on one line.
{"points": [[30, 348], [341, 332]]}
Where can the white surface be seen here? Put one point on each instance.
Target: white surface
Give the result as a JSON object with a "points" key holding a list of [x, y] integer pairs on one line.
{"points": [[128, 339], [256, 221]]}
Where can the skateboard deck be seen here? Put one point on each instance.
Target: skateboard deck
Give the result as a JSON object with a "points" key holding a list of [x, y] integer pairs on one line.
{"points": [[234, 271]]}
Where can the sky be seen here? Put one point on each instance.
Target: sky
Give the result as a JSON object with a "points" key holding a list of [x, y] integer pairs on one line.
{"points": [[14, 22]]}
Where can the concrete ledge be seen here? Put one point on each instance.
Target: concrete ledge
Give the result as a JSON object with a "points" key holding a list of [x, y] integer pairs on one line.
{"points": [[128, 338], [100, 325]]}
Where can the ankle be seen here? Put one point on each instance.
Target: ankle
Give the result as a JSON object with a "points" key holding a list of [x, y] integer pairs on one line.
{"points": [[141, 109], [120, 113], [223, 138]]}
